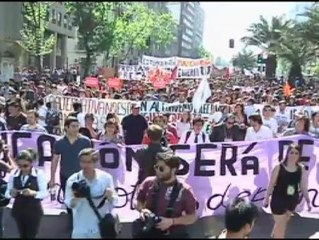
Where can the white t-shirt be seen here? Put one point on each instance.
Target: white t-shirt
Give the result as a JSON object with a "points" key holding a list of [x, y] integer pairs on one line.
{"points": [[263, 134], [182, 127], [43, 110], [272, 124]]}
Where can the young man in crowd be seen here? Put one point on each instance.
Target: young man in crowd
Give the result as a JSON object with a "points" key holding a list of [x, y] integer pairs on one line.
{"points": [[257, 131], [88, 130], [269, 121], [240, 217], [195, 136], [32, 123], [16, 118]]}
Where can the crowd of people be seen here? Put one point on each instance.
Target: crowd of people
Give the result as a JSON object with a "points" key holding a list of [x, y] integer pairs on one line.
{"points": [[23, 107]]}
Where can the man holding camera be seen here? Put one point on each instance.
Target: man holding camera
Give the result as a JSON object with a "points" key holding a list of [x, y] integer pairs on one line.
{"points": [[89, 193], [166, 205]]}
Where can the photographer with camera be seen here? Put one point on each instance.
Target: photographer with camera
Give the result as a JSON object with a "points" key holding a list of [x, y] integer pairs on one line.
{"points": [[166, 204], [91, 195]]}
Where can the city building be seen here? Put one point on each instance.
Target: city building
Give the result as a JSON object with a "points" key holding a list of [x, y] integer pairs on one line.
{"points": [[13, 56]]}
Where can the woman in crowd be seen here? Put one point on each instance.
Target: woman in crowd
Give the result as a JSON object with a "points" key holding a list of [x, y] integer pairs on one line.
{"points": [[286, 180], [241, 117], [314, 126], [302, 125], [111, 133], [28, 186], [116, 118], [184, 124]]}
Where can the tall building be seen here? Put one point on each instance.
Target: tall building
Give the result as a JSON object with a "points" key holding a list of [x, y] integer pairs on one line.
{"points": [[12, 56], [190, 18]]}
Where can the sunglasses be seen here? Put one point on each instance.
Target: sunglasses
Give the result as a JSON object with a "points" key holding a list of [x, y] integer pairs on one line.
{"points": [[24, 165], [267, 110], [159, 168]]}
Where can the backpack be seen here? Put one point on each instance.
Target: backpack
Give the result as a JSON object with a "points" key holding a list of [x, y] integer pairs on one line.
{"points": [[52, 119], [188, 134]]}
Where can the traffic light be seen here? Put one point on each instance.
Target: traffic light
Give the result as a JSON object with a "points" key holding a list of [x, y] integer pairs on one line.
{"points": [[260, 59], [231, 43]]}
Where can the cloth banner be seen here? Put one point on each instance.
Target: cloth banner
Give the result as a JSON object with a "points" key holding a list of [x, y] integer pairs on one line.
{"points": [[217, 172], [101, 107], [115, 83], [92, 82]]}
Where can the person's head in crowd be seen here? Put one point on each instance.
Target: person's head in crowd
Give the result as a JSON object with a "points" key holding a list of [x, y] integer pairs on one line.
{"points": [[167, 164], [40, 103], [293, 155], [160, 121], [25, 85], [82, 93], [14, 108], [275, 102], [136, 109], [111, 127], [282, 106], [315, 119], [25, 160], [71, 126], [77, 107], [88, 159], [166, 117], [198, 124], [267, 111], [182, 98], [255, 120], [2, 104], [186, 116], [250, 102], [155, 133], [302, 123], [32, 117], [240, 217], [230, 120], [239, 109], [89, 120]]}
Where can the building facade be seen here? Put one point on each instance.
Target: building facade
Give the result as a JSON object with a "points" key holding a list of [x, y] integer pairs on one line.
{"points": [[12, 56]]}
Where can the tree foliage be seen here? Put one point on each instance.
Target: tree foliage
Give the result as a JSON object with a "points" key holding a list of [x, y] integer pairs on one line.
{"points": [[138, 25], [34, 37], [203, 53], [244, 60]]}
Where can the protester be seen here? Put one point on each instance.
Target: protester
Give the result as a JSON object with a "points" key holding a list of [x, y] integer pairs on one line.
{"points": [[28, 186], [174, 214], [282, 117], [184, 124], [52, 119], [134, 126], [286, 179], [89, 183], [16, 118], [32, 123], [42, 112], [229, 131], [111, 133], [269, 121], [88, 130], [167, 137], [257, 131], [66, 151], [78, 113], [240, 217], [170, 127], [146, 157], [314, 126], [302, 125], [197, 135]]}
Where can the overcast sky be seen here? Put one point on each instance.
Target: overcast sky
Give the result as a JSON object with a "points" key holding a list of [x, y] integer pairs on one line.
{"points": [[226, 20]]}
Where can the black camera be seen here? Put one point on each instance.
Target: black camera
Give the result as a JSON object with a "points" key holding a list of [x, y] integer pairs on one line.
{"points": [[81, 189], [150, 223]]}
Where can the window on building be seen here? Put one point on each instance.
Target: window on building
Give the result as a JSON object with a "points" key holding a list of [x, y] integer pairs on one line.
{"points": [[53, 16], [65, 21], [59, 19], [70, 23]]}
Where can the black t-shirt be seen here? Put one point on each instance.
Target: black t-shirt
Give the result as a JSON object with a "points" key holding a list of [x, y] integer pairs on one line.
{"points": [[134, 127], [86, 132], [15, 123]]}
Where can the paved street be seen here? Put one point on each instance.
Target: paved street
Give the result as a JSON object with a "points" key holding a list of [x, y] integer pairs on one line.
{"points": [[55, 227]]}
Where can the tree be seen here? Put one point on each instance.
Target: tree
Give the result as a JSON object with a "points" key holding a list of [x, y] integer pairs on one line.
{"points": [[139, 25], [310, 26], [96, 22], [244, 60], [34, 37], [267, 36], [295, 50], [203, 53]]}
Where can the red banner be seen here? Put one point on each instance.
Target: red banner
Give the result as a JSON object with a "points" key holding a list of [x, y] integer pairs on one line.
{"points": [[91, 82], [115, 83], [159, 78]]}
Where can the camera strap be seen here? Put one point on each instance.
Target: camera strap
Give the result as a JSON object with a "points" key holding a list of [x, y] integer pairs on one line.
{"points": [[173, 197], [155, 196], [94, 208]]}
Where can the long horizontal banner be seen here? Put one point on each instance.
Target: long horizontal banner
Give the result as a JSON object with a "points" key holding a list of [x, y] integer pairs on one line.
{"points": [[101, 107], [217, 172]]}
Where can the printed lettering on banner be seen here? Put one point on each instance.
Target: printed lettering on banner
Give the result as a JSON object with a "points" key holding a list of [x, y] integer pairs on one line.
{"points": [[131, 72], [218, 172]]}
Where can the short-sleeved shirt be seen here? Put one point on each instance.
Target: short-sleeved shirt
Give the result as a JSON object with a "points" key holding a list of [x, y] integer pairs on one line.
{"points": [[185, 202], [134, 127], [70, 163]]}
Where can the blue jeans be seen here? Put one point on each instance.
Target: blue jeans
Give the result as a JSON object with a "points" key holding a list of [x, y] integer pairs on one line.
{"points": [[1, 222]]}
